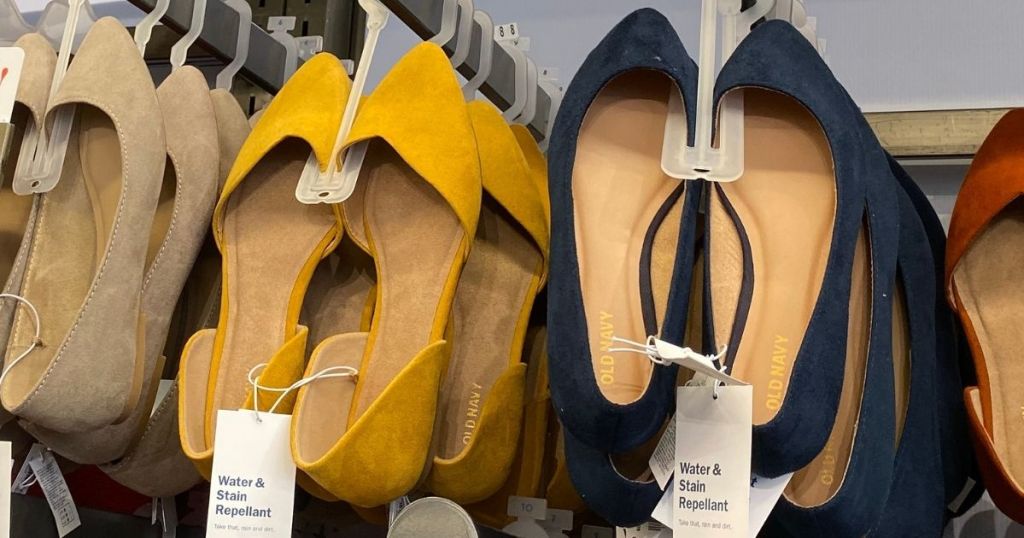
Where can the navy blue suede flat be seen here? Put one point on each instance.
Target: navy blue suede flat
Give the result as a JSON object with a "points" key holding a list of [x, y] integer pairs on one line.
{"points": [[962, 482], [622, 235], [916, 502], [781, 243]]}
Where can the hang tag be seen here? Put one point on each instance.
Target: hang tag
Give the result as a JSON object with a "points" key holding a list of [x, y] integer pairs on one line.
{"points": [[663, 511], [663, 460], [252, 488], [6, 465], [702, 366], [653, 529], [591, 531], [764, 494], [712, 474], [558, 521], [11, 61], [506, 32], [56, 491], [25, 478]]}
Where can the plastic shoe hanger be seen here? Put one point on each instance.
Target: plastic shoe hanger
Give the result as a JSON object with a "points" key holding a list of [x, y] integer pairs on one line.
{"points": [[179, 51], [454, 19], [227, 75], [530, 108], [42, 171], [483, 70], [332, 185], [522, 73], [144, 30], [279, 28], [12, 24], [52, 22], [555, 93]]}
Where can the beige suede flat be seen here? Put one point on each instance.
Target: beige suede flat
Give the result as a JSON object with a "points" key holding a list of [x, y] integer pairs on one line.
{"points": [[87, 255]]}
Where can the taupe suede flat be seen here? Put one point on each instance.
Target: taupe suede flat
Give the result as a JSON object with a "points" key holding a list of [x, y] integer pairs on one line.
{"points": [[17, 213], [86, 261], [187, 196]]}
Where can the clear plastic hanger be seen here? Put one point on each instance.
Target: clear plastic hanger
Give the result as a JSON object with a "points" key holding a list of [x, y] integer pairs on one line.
{"points": [[144, 30], [521, 73], [555, 94], [483, 20], [465, 35], [530, 108], [227, 75], [279, 28], [12, 24], [332, 185], [704, 160], [42, 158], [52, 22], [179, 51]]}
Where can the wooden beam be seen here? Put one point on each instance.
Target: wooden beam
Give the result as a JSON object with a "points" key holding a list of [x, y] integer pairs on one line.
{"points": [[938, 133]]}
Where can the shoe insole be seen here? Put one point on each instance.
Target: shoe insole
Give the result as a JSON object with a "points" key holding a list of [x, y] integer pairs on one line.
{"points": [[902, 355], [618, 190], [338, 292], [164, 213], [991, 291], [417, 239], [14, 209], [270, 243], [823, 476], [785, 206], [75, 218], [492, 304]]}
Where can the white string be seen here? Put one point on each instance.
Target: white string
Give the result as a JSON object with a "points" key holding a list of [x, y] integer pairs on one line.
{"points": [[650, 350], [326, 373], [36, 340]]}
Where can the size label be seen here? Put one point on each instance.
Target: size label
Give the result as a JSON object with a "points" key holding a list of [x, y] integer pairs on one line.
{"points": [[252, 488], [527, 507], [711, 486], [11, 61], [506, 32], [55, 489]]}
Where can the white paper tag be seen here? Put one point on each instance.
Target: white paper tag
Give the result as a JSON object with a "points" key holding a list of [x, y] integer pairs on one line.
{"points": [[162, 388], [559, 520], [653, 529], [11, 61], [169, 517], [700, 364], [252, 488], [712, 473], [528, 507], [25, 478], [591, 531], [395, 507], [764, 495], [506, 32], [6, 466], [663, 460], [663, 511], [56, 491]]}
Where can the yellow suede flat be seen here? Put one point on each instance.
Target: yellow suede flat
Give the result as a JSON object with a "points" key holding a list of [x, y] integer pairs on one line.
{"points": [[481, 414], [270, 245], [369, 442]]}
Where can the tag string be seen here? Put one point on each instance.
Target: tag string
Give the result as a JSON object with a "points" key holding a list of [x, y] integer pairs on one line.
{"points": [[650, 350], [36, 339], [326, 373]]}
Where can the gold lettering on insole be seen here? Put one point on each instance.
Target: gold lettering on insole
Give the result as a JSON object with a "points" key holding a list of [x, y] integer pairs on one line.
{"points": [[780, 358], [827, 474], [607, 372], [472, 413]]}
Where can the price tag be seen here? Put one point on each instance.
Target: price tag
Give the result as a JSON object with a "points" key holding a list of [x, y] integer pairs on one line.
{"points": [[252, 488], [55, 489], [11, 61], [663, 511], [506, 32], [663, 459], [764, 494], [711, 486], [6, 466]]}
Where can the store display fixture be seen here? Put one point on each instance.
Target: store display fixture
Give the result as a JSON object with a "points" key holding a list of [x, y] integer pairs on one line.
{"points": [[467, 316]]}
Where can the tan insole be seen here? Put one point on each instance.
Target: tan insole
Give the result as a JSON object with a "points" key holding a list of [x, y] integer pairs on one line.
{"points": [[990, 288], [618, 187], [786, 204], [338, 293], [416, 238], [323, 417], [164, 212], [495, 293], [86, 199], [902, 354], [269, 238], [14, 209], [821, 479]]}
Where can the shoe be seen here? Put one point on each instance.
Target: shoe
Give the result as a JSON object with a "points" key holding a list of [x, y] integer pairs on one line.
{"points": [[962, 483], [621, 233], [420, 203], [85, 265], [482, 408], [271, 244], [187, 196], [783, 284], [982, 267]]}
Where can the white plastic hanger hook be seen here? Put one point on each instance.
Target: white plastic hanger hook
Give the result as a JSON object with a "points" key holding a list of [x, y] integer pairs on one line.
{"points": [[522, 72], [53, 22], [12, 24], [144, 30], [332, 186], [530, 109], [465, 35], [555, 97], [227, 75], [179, 52], [483, 20], [449, 14]]}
